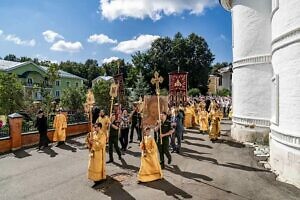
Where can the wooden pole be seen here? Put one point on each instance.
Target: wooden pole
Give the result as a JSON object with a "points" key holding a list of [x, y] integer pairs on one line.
{"points": [[157, 80]]}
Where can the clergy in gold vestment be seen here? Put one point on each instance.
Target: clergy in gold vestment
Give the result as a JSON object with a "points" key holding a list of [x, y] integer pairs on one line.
{"points": [[60, 126], [104, 120], [150, 169], [197, 112], [215, 126], [96, 144], [203, 118], [189, 114]]}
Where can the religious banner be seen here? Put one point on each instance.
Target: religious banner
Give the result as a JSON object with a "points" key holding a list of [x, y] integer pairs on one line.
{"points": [[114, 90], [121, 90], [178, 84], [150, 111]]}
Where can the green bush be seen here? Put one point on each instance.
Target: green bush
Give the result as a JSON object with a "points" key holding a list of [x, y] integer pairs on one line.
{"points": [[193, 92], [224, 93]]}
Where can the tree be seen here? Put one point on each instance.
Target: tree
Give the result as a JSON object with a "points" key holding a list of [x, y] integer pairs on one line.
{"points": [[73, 98], [101, 94], [46, 91], [140, 89], [11, 57], [11, 93], [191, 54], [89, 70]]}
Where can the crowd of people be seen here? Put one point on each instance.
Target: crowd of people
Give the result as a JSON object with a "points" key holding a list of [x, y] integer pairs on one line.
{"points": [[205, 112]]}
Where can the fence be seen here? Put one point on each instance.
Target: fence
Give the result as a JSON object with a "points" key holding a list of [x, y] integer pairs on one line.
{"points": [[74, 118], [4, 131]]}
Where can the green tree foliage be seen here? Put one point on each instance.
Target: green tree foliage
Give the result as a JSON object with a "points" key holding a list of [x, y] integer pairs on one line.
{"points": [[101, 94], [89, 70], [140, 88], [191, 54], [11, 57], [194, 92], [11, 93], [46, 91], [73, 98], [224, 92]]}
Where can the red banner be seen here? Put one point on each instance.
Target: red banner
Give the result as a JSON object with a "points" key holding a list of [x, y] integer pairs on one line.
{"points": [[178, 85]]}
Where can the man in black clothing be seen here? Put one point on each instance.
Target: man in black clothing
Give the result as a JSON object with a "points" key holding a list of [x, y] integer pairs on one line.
{"points": [[113, 139], [166, 131], [136, 121], [42, 126]]}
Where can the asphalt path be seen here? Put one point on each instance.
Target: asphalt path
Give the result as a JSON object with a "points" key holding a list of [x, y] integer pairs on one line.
{"points": [[203, 170]]}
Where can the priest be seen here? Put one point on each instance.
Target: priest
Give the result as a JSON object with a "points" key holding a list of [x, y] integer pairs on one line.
{"points": [[150, 169]]}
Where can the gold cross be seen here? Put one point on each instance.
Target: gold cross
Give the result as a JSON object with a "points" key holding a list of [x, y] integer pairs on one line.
{"points": [[156, 81]]}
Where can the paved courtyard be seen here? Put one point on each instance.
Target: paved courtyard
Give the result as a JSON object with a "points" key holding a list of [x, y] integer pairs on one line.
{"points": [[223, 170]]}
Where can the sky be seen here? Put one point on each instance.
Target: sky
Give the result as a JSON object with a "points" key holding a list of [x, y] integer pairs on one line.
{"points": [[76, 30]]}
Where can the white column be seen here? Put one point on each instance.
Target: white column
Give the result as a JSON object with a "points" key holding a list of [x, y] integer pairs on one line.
{"points": [[252, 69], [285, 128]]}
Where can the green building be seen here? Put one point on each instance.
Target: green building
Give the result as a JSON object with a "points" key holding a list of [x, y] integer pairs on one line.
{"points": [[34, 78]]}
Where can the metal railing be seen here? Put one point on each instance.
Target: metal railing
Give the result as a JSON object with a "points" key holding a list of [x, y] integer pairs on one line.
{"points": [[4, 131], [77, 118], [74, 118], [28, 126]]}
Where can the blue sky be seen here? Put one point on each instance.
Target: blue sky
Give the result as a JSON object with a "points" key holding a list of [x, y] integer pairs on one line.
{"points": [[76, 30]]}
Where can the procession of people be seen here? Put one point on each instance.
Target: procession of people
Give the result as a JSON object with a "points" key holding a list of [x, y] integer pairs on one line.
{"points": [[156, 142], [159, 126]]}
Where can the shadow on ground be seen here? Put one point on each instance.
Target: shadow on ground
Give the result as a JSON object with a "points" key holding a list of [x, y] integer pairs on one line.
{"points": [[67, 148], [21, 153], [49, 151], [114, 189], [230, 143], [168, 188]]}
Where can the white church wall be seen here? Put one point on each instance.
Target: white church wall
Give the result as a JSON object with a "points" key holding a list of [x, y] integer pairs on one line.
{"points": [[285, 133]]}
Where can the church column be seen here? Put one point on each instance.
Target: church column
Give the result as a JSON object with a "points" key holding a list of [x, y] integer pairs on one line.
{"points": [[285, 128], [252, 69]]}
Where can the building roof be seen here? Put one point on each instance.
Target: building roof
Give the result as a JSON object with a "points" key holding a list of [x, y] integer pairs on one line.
{"points": [[104, 78], [225, 69], [10, 65]]}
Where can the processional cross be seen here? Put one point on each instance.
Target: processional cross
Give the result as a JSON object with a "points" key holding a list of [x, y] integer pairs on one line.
{"points": [[156, 81]]}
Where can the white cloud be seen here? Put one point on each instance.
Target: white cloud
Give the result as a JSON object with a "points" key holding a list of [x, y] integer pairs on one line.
{"points": [[101, 39], [62, 45], [1, 32], [108, 60], [51, 36], [155, 9], [141, 43], [19, 41]]}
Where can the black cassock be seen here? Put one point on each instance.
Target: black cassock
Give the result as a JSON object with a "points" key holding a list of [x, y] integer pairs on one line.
{"points": [[42, 126]]}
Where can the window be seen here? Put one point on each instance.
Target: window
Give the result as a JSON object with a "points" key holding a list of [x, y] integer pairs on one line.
{"points": [[76, 84], [57, 93], [220, 81], [275, 100], [68, 84], [29, 81], [57, 83]]}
